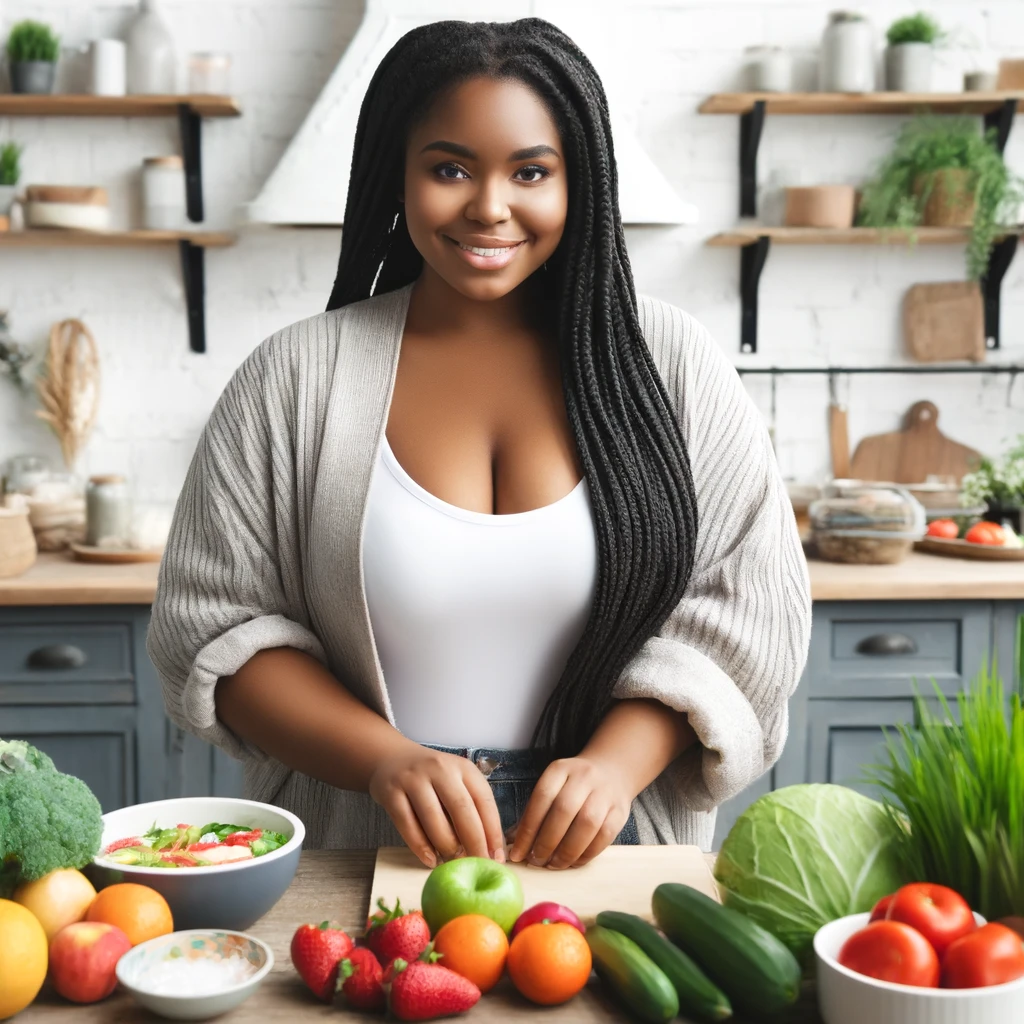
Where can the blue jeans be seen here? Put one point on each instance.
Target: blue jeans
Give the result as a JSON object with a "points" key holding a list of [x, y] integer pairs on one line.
{"points": [[512, 775]]}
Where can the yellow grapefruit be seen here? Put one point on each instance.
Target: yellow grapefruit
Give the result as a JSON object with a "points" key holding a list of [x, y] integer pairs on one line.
{"points": [[58, 899], [23, 955]]}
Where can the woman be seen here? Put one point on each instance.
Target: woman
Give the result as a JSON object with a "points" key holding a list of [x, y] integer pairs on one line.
{"points": [[490, 549]]}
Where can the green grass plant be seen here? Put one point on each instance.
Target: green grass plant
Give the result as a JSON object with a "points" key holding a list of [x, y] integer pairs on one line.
{"points": [[10, 163], [953, 787], [32, 40]]}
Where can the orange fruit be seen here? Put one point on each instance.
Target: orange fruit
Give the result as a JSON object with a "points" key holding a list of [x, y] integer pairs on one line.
{"points": [[140, 912], [549, 962], [475, 947], [23, 958], [58, 899]]}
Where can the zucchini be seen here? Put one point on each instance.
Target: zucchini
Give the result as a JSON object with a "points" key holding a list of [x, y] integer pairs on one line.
{"points": [[698, 996], [752, 967], [632, 975]]}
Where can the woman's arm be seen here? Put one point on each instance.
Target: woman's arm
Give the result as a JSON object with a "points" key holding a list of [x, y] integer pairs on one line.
{"points": [[581, 803], [289, 706]]}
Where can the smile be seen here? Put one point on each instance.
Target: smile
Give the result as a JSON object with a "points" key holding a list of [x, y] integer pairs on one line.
{"points": [[486, 257]]}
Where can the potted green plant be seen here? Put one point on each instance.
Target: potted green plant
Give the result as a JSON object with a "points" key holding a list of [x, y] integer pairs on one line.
{"points": [[32, 52], [999, 484], [944, 172], [908, 57], [10, 172]]}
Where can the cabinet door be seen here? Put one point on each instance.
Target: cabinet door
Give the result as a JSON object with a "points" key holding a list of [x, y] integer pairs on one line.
{"points": [[96, 744], [1010, 660]]}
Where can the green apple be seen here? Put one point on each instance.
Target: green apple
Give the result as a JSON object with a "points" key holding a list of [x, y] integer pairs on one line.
{"points": [[472, 885]]}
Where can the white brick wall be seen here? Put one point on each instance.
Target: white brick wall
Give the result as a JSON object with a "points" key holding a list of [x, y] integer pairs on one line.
{"points": [[839, 305]]}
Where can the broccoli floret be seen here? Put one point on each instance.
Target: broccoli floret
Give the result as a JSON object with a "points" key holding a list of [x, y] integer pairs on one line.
{"points": [[48, 820]]}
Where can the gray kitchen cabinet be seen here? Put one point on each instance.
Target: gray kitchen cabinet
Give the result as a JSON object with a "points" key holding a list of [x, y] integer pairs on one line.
{"points": [[77, 683], [864, 662]]}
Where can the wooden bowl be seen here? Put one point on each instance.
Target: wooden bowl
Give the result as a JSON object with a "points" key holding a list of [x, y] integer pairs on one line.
{"points": [[820, 206]]}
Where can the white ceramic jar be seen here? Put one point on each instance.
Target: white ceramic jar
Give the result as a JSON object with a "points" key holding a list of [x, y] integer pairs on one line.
{"points": [[769, 69], [107, 67], [152, 62], [163, 193], [847, 54]]}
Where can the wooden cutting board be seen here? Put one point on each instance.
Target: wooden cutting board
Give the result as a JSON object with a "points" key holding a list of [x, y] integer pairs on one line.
{"points": [[911, 455], [944, 321], [620, 878]]}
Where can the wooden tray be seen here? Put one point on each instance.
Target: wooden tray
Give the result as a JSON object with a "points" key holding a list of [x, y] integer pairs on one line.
{"points": [[621, 878], [115, 556], [965, 549]]}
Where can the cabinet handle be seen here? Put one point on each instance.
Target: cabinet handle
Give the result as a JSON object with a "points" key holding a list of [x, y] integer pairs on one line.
{"points": [[887, 643], [57, 656]]}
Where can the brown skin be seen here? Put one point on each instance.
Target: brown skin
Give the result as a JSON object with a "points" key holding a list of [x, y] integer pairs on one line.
{"points": [[477, 418]]}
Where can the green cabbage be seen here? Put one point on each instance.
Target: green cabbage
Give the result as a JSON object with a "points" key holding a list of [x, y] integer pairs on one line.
{"points": [[806, 855]]}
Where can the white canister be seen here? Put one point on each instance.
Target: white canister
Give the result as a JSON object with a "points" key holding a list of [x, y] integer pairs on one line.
{"points": [[847, 54], [107, 67], [163, 193], [769, 69], [152, 60], [209, 74]]}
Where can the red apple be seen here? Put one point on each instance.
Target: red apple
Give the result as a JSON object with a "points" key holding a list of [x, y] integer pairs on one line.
{"points": [[553, 912], [82, 960]]}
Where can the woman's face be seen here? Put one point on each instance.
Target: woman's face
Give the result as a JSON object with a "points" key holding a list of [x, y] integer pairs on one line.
{"points": [[486, 190]]}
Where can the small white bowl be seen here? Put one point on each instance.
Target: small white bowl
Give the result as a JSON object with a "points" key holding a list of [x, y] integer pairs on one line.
{"points": [[846, 997], [202, 944]]}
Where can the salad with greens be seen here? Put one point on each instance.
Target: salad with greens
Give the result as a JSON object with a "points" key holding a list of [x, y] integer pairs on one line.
{"points": [[192, 846]]}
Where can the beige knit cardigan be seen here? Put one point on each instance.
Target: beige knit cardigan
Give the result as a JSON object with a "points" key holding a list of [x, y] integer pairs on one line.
{"points": [[265, 551]]}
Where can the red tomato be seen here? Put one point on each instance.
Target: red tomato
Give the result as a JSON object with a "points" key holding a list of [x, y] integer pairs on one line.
{"points": [[986, 533], [937, 912], [892, 951], [880, 908], [991, 955], [944, 528]]}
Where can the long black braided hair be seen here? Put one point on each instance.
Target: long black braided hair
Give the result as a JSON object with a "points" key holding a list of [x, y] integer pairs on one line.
{"points": [[628, 439]]}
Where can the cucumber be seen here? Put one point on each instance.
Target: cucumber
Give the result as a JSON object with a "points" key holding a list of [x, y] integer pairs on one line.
{"points": [[751, 966], [632, 975], [698, 996]]}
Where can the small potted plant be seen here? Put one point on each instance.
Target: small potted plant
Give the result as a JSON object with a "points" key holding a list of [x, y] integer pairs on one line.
{"points": [[908, 57], [943, 172], [32, 51], [10, 172], [999, 484]]}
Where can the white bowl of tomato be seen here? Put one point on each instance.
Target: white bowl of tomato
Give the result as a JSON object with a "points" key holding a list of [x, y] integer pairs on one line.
{"points": [[933, 941]]}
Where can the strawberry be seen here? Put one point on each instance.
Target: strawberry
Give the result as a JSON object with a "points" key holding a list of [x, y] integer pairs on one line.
{"points": [[397, 933], [422, 991], [316, 952], [359, 980]]}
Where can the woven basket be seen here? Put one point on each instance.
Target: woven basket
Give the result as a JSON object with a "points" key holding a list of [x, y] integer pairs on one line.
{"points": [[17, 542]]}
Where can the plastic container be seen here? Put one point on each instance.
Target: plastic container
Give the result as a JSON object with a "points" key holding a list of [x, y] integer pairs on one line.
{"points": [[866, 523]]}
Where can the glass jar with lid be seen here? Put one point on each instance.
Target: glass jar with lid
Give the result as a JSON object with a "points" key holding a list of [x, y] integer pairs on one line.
{"points": [[108, 511], [867, 523]]}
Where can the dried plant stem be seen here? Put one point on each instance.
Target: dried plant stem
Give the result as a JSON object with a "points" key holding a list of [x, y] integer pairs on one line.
{"points": [[70, 386]]}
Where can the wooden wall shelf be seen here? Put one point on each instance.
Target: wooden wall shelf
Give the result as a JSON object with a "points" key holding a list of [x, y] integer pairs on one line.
{"points": [[72, 105], [189, 109], [859, 103], [998, 110]]}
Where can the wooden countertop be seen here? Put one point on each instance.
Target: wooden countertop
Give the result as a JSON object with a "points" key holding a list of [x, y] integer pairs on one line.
{"points": [[335, 884], [58, 579]]}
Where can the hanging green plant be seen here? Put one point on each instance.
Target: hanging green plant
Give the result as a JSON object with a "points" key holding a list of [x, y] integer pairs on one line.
{"points": [[943, 170]]}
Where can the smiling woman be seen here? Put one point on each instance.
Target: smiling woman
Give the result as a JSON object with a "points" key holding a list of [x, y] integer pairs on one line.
{"points": [[493, 549]]}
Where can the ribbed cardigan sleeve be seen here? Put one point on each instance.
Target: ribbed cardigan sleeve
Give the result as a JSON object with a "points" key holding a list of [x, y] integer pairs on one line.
{"points": [[732, 651], [225, 584]]}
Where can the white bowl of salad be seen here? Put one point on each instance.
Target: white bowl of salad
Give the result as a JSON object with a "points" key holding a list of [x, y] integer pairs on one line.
{"points": [[220, 862]]}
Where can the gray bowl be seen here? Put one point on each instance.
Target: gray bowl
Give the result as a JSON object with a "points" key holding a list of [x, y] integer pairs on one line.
{"points": [[225, 896]]}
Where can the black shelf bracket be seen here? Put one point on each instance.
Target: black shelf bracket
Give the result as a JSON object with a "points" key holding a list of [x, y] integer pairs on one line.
{"points": [[190, 124], [751, 124], [752, 259], [999, 261], [1002, 121], [193, 272]]}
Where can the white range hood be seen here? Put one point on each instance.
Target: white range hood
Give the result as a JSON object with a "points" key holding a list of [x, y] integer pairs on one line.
{"points": [[309, 184]]}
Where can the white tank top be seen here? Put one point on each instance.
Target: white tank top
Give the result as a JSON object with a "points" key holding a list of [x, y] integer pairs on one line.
{"points": [[474, 615]]}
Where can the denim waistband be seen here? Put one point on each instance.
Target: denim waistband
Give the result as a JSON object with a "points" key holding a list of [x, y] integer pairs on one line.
{"points": [[498, 764]]}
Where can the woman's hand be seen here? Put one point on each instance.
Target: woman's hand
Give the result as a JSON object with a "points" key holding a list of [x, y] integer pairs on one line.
{"points": [[577, 808], [440, 803]]}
